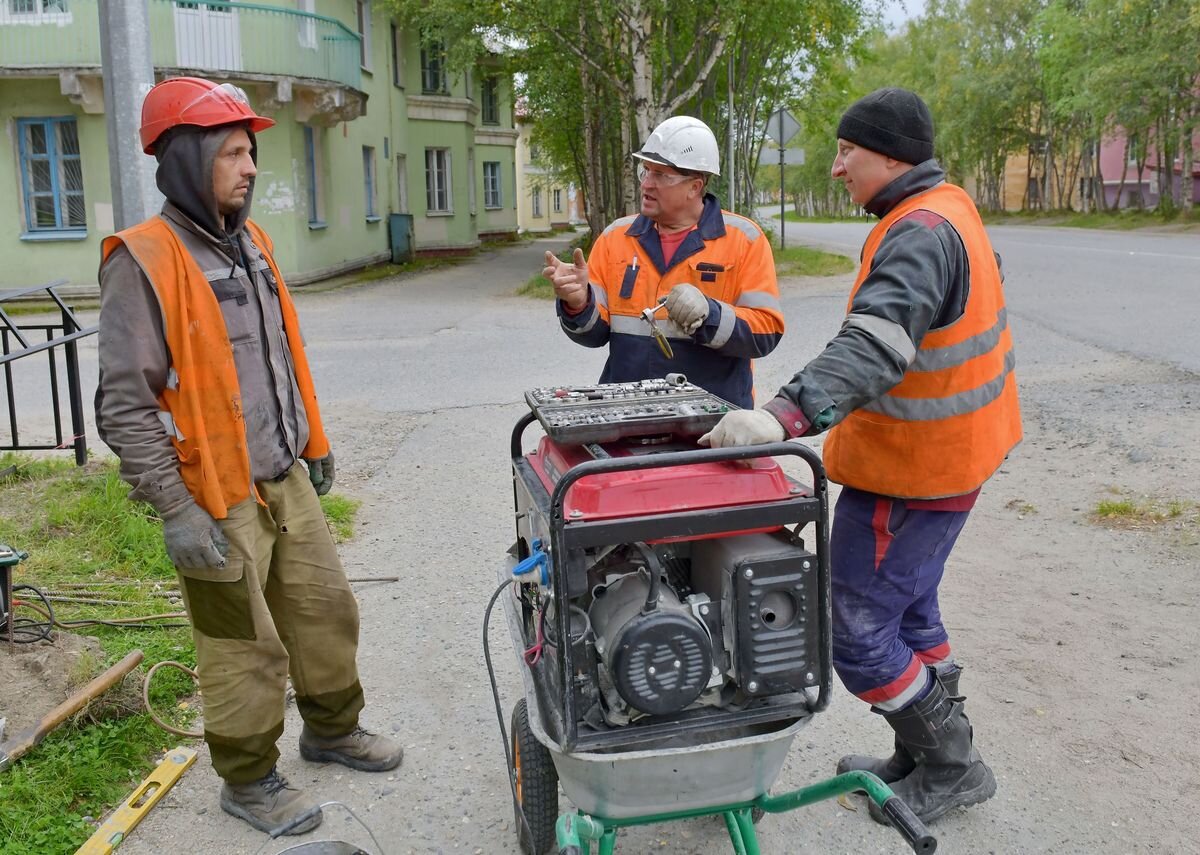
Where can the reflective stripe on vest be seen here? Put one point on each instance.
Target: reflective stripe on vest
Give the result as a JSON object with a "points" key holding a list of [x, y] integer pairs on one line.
{"points": [[954, 416]]}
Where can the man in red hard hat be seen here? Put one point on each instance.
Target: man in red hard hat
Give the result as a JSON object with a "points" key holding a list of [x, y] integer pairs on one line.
{"points": [[206, 397]]}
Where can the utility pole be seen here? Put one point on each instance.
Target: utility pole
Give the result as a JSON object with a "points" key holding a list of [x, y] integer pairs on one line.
{"points": [[128, 76]]}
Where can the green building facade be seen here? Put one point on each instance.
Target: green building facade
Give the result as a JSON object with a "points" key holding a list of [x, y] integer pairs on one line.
{"points": [[369, 123]]}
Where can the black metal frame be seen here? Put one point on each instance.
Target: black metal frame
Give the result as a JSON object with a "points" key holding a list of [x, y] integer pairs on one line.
{"points": [[568, 537], [72, 331]]}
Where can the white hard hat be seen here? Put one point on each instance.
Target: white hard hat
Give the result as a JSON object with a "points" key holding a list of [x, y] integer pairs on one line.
{"points": [[684, 143]]}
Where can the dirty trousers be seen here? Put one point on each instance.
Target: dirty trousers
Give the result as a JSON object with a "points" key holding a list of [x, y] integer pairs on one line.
{"points": [[280, 605], [887, 561]]}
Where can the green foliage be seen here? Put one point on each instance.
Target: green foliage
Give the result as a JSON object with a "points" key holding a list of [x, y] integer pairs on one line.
{"points": [[339, 513]]}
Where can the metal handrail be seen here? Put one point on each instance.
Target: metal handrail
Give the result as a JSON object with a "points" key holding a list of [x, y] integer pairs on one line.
{"points": [[72, 331]]}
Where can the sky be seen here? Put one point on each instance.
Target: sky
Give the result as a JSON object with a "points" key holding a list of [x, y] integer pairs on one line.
{"points": [[896, 12]]}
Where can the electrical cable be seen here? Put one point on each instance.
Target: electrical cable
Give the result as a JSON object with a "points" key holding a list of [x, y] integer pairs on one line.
{"points": [[27, 630], [518, 811], [190, 734], [137, 622]]}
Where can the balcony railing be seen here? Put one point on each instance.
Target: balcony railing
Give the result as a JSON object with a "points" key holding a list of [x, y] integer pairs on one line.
{"points": [[217, 36]]}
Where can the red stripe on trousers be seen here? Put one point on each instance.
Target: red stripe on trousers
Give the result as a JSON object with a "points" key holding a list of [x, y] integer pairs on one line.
{"points": [[879, 522], [934, 655], [911, 674]]}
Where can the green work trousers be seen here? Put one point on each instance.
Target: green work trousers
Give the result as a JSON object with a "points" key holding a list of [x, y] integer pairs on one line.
{"points": [[280, 605]]}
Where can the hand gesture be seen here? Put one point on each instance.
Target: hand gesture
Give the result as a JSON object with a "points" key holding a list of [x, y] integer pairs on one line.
{"points": [[570, 280]]}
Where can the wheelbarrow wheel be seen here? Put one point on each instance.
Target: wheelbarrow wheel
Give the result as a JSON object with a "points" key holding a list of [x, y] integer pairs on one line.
{"points": [[537, 786]]}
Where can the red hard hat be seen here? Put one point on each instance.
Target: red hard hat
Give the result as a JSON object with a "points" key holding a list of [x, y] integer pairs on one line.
{"points": [[195, 101]]}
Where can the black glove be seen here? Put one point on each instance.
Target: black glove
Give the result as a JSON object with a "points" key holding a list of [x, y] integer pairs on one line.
{"points": [[194, 540], [320, 472]]}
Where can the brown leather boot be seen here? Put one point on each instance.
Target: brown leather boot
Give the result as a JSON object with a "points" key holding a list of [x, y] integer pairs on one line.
{"points": [[269, 803], [359, 749]]}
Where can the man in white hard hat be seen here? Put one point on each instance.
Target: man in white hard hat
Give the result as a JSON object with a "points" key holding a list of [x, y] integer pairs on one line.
{"points": [[715, 270]]}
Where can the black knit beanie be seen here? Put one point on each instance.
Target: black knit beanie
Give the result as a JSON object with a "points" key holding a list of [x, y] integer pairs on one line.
{"points": [[891, 121]]}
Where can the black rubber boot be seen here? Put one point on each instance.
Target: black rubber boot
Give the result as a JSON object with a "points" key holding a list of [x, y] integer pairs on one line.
{"points": [[949, 772], [897, 766]]}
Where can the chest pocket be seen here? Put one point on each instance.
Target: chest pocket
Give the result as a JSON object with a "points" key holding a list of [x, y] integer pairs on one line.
{"points": [[238, 310], [714, 278]]}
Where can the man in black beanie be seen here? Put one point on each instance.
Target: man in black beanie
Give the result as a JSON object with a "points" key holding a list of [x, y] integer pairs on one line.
{"points": [[918, 392]]}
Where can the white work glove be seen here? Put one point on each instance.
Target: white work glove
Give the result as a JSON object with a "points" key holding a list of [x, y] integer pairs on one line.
{"points": [[570, 281], [688, 307], [194, 540], [744, 427]]}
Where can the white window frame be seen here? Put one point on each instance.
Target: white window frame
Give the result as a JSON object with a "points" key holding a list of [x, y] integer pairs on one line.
{"points": [[370, 184], [493, 190], [438, 182], [362, 11], [536, 202], [557, 203], [58, 13]]}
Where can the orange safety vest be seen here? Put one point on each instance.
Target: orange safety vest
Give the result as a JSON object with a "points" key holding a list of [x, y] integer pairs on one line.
{"points": [[205, 402], [948, 424]]}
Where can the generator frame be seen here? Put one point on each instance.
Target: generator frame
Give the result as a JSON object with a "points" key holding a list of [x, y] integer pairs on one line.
{"points": [[568, 537]]}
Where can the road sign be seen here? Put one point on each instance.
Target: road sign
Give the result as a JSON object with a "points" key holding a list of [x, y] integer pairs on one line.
{"points": [[782, 126]]}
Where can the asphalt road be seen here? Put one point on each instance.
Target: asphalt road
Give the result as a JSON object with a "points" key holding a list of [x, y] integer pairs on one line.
{"points": [[1126, 292]]}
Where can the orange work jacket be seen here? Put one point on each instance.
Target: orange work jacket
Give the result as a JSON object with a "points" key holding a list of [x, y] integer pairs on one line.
{"points": [[205, 402], [948, 424]]}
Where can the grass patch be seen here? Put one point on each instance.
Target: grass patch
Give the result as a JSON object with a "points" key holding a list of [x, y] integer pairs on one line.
{"points": [[538, 287], [1146, 513], [1116, 220], [83, 533], [803, 261], [793, 216]]}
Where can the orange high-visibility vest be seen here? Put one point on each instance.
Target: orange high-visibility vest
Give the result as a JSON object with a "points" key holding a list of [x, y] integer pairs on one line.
{"points": [[203, 399], [948, 424]]}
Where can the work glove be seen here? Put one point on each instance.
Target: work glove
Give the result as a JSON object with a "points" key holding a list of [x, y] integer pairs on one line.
{"points": [[687, 307], [193, 538], [744, 427], [320, 472], [570, 281]]}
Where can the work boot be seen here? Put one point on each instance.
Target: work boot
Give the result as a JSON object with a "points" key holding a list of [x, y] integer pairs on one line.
{"points": [[268, 803], [901, 762], [949, 772], [359, 749]]}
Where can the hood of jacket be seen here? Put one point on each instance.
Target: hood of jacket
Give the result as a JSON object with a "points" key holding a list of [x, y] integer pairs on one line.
{"points": [[185, 177]]}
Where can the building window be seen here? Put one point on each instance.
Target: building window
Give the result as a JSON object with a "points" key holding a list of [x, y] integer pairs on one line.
{"points": [[557, 201], [537, 201], [51, 175], [397, 56], [433, 68], [437, 180], [471, 181], [363, 18], [492, 197], [23, 11], [491, 100], [369, 186], [314, 139]]}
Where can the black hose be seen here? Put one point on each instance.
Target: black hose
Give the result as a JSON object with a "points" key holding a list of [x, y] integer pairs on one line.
{"points": [[518, 811], [28, 630], [655, 568]]}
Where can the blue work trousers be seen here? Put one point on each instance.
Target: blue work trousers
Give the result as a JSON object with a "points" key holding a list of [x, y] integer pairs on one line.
{"points": [[887, 560]]}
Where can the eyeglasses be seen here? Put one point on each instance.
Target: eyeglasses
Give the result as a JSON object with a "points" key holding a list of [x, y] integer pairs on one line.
{"points": [[660, 178]]}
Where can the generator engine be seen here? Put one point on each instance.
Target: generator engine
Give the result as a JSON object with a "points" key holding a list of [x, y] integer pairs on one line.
{"points": [[684, 588]]}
